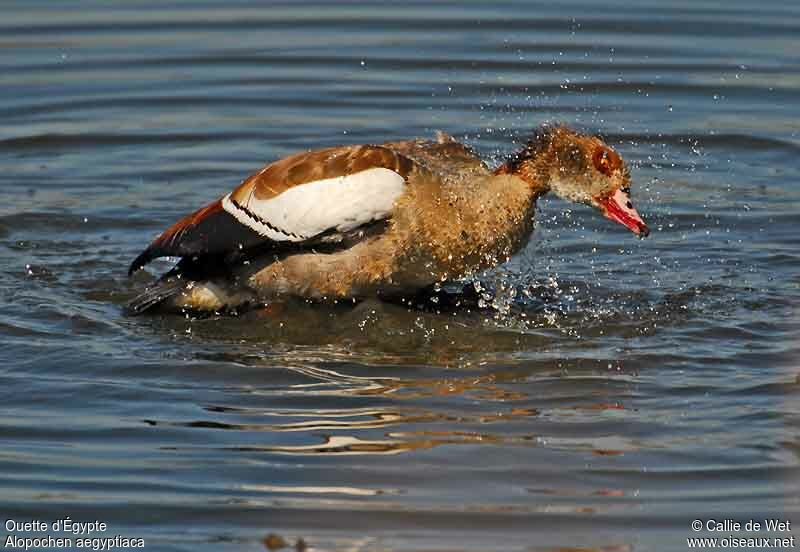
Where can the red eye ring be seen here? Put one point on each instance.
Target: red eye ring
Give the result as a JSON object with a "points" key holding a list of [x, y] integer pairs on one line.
{"points": [[606, 160]]}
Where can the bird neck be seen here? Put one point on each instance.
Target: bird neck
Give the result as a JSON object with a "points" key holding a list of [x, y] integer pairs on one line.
{"points": [[534, 162]]}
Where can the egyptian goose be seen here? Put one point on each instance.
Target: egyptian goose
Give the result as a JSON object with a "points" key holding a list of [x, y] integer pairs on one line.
{"points": [[377, 220]]}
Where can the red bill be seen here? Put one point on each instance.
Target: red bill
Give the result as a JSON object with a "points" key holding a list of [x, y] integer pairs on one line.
{"points": [[618, 207]]}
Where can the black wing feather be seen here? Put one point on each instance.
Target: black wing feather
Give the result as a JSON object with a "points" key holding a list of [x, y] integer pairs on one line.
{"points": [[208, 231]]}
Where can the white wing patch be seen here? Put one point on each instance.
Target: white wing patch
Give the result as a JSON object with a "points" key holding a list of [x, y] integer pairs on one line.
{"points": [[307, 210]]}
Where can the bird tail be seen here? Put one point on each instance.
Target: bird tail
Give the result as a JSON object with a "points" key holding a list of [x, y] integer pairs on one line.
{"points": [[154, 296]]}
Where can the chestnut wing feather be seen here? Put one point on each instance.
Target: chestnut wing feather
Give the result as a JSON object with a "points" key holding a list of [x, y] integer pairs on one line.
{"points": [[294, 199]]}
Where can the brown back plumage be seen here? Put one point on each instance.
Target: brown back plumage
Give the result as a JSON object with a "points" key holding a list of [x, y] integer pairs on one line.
{"points": [[310, 166], [213, 231], [443, 157]]}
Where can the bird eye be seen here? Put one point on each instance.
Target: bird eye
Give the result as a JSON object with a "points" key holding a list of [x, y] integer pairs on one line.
{"points": [[606, 160]]}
